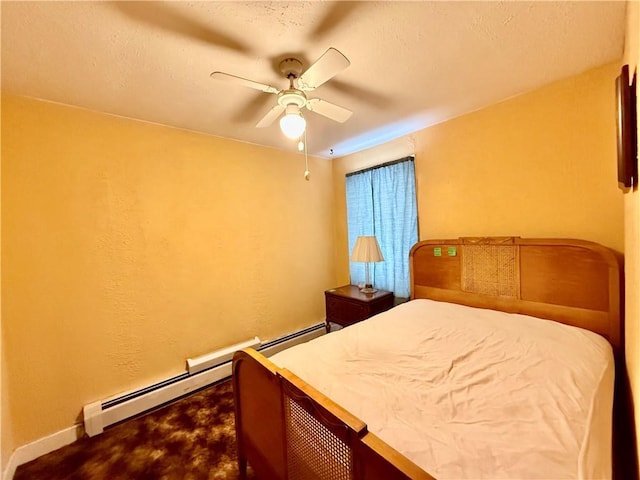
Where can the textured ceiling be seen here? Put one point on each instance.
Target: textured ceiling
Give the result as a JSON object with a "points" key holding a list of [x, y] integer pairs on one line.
{"points": [[413, 64]]}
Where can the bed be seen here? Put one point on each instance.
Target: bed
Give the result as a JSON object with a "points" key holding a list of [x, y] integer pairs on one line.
{"points": [[501, 365]]}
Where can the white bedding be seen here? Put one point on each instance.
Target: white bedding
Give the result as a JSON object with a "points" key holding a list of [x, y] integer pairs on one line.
{"points": [[471, 393]]}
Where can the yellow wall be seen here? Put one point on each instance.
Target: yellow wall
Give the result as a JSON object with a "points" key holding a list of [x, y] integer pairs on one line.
{"points": [[632, 235], [542, 164], [128, 247]]}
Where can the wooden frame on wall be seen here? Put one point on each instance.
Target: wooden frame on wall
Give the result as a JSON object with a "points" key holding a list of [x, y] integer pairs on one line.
{"points": [[627, 133]]}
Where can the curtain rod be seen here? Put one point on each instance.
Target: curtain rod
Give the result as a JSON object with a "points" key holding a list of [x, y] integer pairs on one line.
{"points": [[410, 158]]}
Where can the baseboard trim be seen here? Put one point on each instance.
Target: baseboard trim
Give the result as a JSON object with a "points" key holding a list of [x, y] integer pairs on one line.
{"points": [[57, 440], [40, 447]]}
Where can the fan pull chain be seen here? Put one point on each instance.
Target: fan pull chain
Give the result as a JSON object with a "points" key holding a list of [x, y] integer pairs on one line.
{"points": [[307, 173]]}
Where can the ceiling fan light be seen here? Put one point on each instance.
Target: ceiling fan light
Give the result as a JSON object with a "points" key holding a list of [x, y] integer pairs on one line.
{"points": [[292, 124]]}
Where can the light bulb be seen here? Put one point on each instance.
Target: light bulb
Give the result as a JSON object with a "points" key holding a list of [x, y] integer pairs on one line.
{"points": [[292, 125], [300, 146]]}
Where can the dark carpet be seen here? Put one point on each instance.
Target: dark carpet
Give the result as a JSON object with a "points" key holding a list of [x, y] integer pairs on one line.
{"points": [[191, 439]]}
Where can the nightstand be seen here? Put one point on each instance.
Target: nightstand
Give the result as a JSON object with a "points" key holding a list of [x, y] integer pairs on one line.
{"points": [[347, 305]]}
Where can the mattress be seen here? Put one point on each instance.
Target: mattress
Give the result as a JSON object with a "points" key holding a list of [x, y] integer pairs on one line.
{"points": [[469, 393]]}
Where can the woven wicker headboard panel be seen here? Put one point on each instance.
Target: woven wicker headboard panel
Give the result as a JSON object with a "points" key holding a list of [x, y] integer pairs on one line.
{"points": [[490, 266], [570, 281]]}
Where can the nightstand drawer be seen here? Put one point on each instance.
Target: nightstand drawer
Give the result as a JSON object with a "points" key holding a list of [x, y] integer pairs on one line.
{"points": [[344, 312]]}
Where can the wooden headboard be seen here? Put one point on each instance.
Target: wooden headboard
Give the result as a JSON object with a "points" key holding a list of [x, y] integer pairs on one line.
{"points": [[570, 281]]}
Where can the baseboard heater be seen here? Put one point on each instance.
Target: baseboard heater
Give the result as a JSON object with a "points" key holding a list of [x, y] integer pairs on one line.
{"points": [[201, 372]]}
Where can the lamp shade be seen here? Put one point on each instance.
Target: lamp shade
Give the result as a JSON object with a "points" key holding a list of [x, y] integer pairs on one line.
{"points": [[366, 249]]}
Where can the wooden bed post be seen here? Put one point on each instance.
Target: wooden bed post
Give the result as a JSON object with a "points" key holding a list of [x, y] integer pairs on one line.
{"points": [[258, 414]]}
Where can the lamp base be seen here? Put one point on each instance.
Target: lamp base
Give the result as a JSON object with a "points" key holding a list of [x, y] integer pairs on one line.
{"points": [[368, 289]]}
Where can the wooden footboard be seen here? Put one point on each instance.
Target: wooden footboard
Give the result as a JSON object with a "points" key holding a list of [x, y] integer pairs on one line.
{"points": [[288, 430]]}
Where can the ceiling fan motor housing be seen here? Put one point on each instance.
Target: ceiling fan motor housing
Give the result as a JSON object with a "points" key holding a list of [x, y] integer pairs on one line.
{"points": [[291, 67], [292, 96]]}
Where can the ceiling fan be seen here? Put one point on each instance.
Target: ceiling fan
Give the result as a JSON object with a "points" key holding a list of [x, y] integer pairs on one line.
{"points": [[292, 99]]}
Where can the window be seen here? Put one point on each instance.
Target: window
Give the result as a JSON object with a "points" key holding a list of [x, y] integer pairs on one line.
{"points": [[381, 201]]}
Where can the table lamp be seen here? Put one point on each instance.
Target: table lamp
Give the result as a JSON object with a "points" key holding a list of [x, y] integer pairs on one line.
{"points": [[367, 250]]}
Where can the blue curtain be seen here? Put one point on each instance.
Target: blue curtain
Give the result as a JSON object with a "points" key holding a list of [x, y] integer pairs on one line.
{"points": [[359, 218], [382, 202]]}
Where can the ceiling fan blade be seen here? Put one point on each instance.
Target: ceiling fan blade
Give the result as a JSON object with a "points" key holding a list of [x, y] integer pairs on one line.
{"points": [[270, 117], [254, 106], [328, 65], [225, 77], [159, 15], [329, 110]]}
